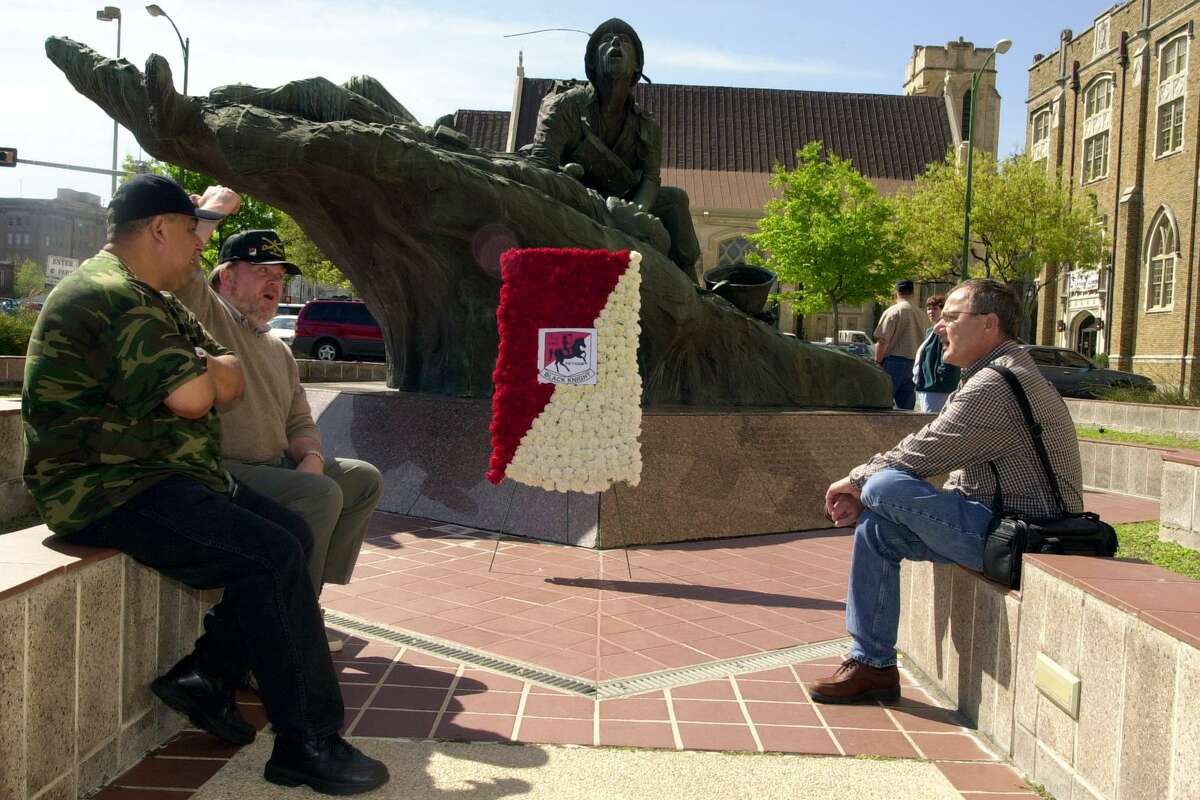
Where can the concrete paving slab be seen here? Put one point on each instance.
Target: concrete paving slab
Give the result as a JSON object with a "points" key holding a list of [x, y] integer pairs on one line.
{"points": [[427, 770]]}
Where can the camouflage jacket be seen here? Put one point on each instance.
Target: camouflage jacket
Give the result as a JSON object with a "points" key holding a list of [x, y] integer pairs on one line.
{"points": [[105, 352]]}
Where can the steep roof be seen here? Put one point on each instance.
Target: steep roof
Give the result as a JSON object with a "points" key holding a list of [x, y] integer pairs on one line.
{"points": [[485, 128], [730, 129]]}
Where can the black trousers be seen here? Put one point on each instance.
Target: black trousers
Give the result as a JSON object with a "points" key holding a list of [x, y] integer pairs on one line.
{"points": [[268, 619]]}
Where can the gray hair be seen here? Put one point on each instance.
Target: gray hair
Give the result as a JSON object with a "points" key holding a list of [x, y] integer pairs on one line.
{"points": [[989, 296]]}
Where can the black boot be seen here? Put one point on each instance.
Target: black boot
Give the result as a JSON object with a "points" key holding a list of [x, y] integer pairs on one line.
{"points": [[208, 701], [330, 765]]}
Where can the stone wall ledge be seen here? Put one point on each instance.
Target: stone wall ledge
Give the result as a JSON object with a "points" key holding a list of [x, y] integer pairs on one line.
{"points": [[1088, 679], [1136, 417], [1124, 468], [83, 631]]}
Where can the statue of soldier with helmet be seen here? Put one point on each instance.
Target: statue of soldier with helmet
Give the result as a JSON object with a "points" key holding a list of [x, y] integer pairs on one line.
{"points": [[597, 133]]}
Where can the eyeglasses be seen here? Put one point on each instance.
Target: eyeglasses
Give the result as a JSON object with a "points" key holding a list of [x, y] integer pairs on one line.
{"points": [[951, 317]]}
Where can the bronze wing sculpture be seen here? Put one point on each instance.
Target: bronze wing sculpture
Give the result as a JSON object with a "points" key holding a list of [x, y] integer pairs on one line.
{"points": [[406, 212]]}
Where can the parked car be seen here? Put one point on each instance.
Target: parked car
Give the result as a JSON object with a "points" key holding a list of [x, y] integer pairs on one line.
{"points": [[289, 309], [283, 328], [1073, 375], [330, 330]]}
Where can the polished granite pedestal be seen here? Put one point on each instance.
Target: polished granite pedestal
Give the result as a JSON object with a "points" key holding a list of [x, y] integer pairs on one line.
{"points": [[706, 473]]}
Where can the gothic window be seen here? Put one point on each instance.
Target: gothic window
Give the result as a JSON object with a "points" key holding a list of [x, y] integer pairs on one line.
{"points": [[1170, 127], [1040, 149], [1097, 119], [966, 115], [733, 251], [1095, 157], [1163, 254], [1173, 58], [1172, 87], [1098, 98]]}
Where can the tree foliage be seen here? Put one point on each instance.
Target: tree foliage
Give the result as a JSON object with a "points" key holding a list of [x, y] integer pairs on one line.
{"points": [[830, 234], [1022, 219], [29, 278], [302, 251]]}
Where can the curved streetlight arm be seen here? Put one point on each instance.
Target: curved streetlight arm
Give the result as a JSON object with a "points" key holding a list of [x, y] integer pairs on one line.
{"points": [[155, 10]]}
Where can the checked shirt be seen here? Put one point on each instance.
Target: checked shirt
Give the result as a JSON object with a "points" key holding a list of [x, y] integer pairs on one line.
{"points": [[982, 423]]}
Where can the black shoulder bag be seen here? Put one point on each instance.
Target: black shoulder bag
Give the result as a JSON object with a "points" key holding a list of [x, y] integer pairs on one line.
{"points": [[1069, 534]]}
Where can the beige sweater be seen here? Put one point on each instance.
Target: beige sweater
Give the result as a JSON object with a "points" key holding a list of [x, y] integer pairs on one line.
{"points": [[273, 410]]}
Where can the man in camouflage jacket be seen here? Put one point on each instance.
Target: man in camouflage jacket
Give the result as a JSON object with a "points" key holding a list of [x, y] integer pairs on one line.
{"points": [[122, 438]]}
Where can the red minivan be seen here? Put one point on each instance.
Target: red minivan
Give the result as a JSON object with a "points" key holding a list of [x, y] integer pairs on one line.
{"points": [[330, 330]]}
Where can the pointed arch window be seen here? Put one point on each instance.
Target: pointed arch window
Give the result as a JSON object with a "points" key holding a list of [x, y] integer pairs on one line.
{"points": [[1163, 255], [733, 251]]}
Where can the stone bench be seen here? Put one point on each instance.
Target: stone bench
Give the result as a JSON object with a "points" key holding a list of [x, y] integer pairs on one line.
{"points": [[14, 500], [1180, 516], [83, 631], [1088, 678]]}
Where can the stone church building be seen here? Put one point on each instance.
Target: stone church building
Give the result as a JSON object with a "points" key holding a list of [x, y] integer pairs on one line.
{"points": [[721, 144]]}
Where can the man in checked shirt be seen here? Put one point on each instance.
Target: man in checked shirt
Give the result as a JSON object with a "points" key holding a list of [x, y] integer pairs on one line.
{"points": [[898, 515]]}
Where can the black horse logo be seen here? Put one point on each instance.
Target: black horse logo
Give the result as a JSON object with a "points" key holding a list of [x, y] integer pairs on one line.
{"points": [[572, 347]]}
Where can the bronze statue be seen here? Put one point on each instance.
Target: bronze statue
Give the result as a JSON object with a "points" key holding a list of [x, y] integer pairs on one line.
{"points": [[415, 218], [598, 134]]}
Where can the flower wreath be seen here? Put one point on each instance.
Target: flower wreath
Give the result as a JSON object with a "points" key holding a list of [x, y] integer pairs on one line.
{"points": [[568, 419]]}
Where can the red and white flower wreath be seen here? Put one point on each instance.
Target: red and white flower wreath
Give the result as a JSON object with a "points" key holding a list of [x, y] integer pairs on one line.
{"points": [[559, 436]]}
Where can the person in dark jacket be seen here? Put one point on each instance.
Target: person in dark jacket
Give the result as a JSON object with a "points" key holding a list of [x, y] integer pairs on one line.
{"points": [[934, 378]]}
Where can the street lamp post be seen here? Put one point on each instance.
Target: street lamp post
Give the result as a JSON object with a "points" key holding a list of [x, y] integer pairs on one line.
{"points": [[155, 11], [1001, 48], [108, 14]]}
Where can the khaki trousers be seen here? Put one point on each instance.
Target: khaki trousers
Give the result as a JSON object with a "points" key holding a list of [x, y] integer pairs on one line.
{"points": [[337, 507]]}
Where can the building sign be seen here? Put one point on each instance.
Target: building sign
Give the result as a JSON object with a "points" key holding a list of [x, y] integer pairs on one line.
{"points": [[1084, 282], [59, 267]]}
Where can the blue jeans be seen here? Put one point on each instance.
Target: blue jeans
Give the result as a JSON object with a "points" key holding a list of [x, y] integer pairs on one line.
{"points": [[904, 391], [903, 518]]}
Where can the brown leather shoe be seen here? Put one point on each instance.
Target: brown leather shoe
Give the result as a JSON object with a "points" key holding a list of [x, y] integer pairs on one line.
{"points": [[855, 682]]}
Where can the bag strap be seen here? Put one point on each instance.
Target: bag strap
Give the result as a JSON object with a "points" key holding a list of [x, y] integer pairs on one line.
{"points": [[1035, 431]]}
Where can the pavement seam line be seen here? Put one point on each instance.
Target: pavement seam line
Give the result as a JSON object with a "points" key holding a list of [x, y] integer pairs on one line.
{"points": [[437, 720], [516, 731], [371, 697], [887, 711], [820, 717], [674, 722], [595, 722], [737, 693]]}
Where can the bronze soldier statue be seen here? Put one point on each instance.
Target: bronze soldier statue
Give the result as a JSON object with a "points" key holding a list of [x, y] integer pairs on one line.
{"points": [[597, 133]]}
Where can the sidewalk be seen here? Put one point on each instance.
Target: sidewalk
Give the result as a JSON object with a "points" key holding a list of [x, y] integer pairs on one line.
{"points": [[457, 636]]}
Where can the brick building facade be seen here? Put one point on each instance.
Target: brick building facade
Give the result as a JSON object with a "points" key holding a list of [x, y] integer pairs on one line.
{"points": [[1113, 109], [71, 225]]}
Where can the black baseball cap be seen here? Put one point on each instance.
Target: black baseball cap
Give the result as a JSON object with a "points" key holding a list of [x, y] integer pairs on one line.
{"points": [[257, 247], [904, 287], [150, 195]]}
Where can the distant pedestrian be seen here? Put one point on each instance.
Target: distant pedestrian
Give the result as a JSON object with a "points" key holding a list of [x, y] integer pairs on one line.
{"points": [[897, 337], [934, 378]]}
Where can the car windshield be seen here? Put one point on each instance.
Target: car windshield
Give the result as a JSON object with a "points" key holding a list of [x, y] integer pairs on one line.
{"points": [[1072, 359], [287, 323]]}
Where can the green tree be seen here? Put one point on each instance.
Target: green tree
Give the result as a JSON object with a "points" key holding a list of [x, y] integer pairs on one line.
{"points": [[830, 235], [1022, 220], [302, 251], [253, 214], [29, 279]]}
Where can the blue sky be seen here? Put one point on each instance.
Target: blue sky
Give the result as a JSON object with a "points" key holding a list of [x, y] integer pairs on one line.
{"points": [[438, 57]]}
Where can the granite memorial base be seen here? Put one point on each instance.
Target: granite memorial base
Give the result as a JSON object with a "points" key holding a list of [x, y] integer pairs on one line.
{"points": [[706, 473]]}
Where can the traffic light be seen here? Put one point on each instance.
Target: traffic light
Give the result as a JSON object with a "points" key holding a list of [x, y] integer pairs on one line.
{"points": [[8, 156]]}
